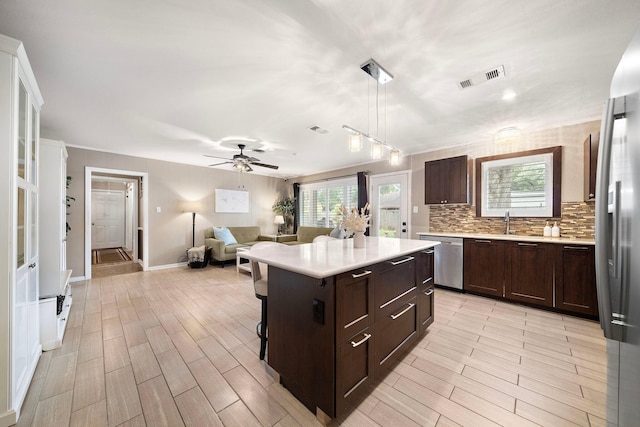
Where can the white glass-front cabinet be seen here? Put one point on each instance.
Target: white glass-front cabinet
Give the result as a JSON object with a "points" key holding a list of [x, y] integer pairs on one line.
{"points": [[55, 293], [20, 103]]}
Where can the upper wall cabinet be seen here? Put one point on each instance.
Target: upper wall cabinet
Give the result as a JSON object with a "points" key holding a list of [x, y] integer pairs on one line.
{"points": [[591, 145], [446, 181]]}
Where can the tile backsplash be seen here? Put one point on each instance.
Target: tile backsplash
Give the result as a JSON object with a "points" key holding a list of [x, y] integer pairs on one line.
{"points": [[578, 221]]}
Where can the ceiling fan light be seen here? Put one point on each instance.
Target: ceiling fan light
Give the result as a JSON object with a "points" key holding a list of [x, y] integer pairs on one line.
{"points": [[507, 135], [376, 150], [394, 157], [355, 142]]}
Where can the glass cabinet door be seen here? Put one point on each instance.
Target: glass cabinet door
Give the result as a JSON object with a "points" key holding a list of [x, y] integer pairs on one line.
{"points": [[33, 164], [23, 115], [21, 231]]}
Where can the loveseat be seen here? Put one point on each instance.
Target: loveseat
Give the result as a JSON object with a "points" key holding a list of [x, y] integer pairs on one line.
{"points": [[245, 236], [304, 235]]}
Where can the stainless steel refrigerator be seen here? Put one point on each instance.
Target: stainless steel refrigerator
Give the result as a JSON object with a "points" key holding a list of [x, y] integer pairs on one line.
{"points": [[618, 239]]}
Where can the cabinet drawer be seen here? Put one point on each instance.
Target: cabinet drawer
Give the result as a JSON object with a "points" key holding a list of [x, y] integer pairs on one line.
{"points": [[354, 301], [425, 307], [394, 333], [354, 366], [395, 282]]}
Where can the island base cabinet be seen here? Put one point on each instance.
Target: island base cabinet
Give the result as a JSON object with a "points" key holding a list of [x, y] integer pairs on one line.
{"points": [[332, 339], [301, 346], [354, 370]]}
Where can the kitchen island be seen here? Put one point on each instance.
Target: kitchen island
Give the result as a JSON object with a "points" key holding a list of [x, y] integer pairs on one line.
{"points": [[340, 317]]}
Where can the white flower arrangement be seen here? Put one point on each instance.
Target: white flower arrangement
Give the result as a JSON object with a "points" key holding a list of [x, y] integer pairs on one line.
{"points": [[354, 220]]}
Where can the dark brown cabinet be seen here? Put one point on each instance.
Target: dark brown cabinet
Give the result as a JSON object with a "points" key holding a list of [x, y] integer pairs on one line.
{"points": [[331, 338], [575, 279], [591, 145], [529, 272], [446, 181], [543, 274], [483, 266], [424, 279]]}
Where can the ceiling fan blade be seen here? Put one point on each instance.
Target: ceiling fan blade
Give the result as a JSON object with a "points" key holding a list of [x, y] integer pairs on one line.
{"points": [[252, 159], [218, 164], [264, 165], [216, 157]]}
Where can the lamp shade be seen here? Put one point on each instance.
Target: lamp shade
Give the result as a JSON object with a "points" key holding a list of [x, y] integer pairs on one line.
{"points": [[355, 142], [394, 157], [191, 206], [279, 219]]}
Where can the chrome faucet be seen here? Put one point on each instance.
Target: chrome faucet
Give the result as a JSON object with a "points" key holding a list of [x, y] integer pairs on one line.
{"points": [[506, 219]]}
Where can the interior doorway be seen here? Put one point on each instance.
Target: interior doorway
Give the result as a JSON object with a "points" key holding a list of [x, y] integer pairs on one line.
{"points": [[389, 205], [116, 218]]}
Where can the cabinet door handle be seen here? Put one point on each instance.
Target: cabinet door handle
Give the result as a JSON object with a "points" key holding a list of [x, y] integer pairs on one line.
{"points": [[402, 261], [409, 307], [483, 241], [364, 273], [527, 244], [429, 292], [428, 252], [577, 248], [362, 341], [427, 280]]}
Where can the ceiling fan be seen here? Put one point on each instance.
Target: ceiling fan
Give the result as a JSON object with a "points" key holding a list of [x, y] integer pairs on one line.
{"points": [[241, 161]]}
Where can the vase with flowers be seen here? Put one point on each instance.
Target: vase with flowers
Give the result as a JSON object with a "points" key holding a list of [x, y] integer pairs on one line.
{"points": [[355, 222]]}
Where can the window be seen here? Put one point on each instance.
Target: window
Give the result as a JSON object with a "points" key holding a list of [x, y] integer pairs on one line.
{"points": [[319, 204], [526, 184]]}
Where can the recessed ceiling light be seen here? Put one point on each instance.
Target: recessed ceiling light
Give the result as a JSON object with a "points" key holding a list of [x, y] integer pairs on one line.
{"points": [[508, 95]]}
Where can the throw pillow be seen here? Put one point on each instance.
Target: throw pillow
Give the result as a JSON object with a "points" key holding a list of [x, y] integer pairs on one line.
{"points": [[225, 235], [337, 233]]}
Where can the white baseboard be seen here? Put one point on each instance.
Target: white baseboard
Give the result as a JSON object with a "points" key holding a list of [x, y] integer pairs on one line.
{"points": [[8, 418], [77, 279], [165, 266]]}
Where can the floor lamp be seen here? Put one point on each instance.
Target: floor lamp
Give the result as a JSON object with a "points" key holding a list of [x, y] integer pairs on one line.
{"points": [[193, 207]]}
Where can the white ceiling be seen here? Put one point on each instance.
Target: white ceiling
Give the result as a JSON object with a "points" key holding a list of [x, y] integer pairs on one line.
{"points": [[174, 80]]}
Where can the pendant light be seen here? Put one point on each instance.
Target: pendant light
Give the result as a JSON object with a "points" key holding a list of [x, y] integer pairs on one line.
{"points": [[381, 76]]}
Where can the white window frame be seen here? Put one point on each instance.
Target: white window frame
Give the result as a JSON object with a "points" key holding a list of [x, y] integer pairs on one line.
{"points": [[546, 211], [324, 185]]}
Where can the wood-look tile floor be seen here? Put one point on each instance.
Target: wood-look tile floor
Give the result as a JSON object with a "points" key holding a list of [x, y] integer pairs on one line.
{"points": [[178, 347]]}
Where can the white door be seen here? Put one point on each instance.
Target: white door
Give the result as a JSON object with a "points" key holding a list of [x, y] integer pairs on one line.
{"points": [[389, 205], [107, 219]]}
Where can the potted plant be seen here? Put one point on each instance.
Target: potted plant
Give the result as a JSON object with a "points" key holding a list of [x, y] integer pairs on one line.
{"points": [[286, 207], [69, 200]]}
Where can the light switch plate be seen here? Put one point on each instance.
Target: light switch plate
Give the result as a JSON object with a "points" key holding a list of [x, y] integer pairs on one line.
{"points": [[415, 209], [158, 209]]}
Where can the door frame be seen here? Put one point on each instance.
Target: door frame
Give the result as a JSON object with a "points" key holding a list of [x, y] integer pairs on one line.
{"points": [[407, 174], [142, 207]]}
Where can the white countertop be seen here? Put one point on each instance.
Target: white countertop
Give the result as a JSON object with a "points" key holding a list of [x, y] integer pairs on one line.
{"points": [[513, 237], [331, 257]]}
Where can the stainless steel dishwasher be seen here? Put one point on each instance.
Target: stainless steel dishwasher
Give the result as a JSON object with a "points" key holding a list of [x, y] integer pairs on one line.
{"points": [[448, 262]]}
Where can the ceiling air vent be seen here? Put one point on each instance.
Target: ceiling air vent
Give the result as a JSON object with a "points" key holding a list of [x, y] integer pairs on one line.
{"points": [[318, 129], [494, 73]]}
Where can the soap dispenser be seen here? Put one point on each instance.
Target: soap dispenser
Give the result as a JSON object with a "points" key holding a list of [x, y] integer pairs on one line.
{"points": [[555, 230], [547, 230]]}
